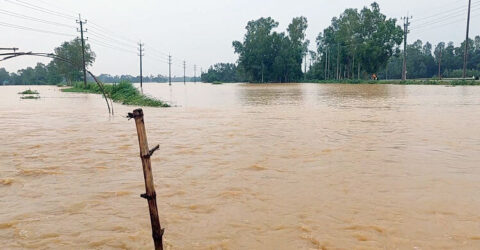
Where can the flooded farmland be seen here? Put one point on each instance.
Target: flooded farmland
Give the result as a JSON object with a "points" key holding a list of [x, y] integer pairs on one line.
{"points": [[296, 166]]}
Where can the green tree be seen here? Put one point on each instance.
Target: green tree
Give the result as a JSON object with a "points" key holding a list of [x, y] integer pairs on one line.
{"points": [[222, 72], [364, 39], [72, 51], [269, 56], [4, 76]]}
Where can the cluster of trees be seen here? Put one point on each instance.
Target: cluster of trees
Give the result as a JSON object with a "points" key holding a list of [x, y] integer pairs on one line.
{"points": [[40, 75], [269, 56], [106, 78], [223, 72], [129, 78], [445, 60], [357, 44], [57, 71]]}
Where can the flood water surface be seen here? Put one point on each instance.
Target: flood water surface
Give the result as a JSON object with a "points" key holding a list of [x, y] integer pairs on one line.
{"points": [[299, 166]]}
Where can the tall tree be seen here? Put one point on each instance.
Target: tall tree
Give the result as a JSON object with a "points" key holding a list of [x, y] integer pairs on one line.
{"points": [[363, 39], [269, 56], [72, 51]]}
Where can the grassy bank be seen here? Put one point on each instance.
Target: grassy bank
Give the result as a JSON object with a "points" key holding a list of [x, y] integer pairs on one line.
{"points": [[124, 93], [399, 82]]}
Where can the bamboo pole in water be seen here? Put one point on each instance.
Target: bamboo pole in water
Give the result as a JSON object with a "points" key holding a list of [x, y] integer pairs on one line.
{"points": [[150, 195]]}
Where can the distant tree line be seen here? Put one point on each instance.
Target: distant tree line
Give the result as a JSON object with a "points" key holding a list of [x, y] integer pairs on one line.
{"points": [[357, 44], [106, 78], [223, 72], [58, 71], [445, 60], [55, 72]]}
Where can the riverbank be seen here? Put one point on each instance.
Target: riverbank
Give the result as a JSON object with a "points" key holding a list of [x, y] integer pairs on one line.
{"points": [[124, 93], [400, 82]]}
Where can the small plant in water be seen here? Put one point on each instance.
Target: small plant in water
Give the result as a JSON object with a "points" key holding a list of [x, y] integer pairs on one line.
{"points": [[29, 92], [30, 97]]}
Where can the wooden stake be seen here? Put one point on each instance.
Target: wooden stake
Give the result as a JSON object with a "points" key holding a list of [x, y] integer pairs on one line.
{"points": [[150, 195]]}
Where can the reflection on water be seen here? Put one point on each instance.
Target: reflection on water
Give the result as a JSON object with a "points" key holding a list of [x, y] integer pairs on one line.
{"points": [[295, 166]]}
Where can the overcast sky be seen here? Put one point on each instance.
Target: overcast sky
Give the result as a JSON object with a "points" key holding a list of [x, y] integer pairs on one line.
{"points": [[198, 31]]}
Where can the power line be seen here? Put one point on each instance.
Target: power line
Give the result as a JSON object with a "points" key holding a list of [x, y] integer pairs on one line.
{"points": [[40, 9], [153, 57], [441, 13], [17, 15], [158, 51], [111, 33], [110, 40], [446, 17], [32, 29], [441, 24], [57, 6], [106, 45]]}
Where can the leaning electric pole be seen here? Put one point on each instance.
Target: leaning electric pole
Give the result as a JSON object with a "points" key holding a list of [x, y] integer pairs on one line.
{"points": [[406, 23], [79, 21], [141, 54], [184, 76], [169, 69], [465, 57]]}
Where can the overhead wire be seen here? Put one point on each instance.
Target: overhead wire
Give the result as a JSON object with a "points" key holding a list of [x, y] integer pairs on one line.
{"points": [[33, 29], [17, 15], [40, 9], [101, 36], [110, 46], [445, 18]]}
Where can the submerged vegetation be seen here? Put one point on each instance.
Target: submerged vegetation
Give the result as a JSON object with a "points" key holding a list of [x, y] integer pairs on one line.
{"points": [[124, 93], [30, 97], [29, 92]]}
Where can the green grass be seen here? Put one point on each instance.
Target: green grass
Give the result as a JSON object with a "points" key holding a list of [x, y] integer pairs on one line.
{"points": [[217, 82], [124, 93], [30, 97], [28, 92]]}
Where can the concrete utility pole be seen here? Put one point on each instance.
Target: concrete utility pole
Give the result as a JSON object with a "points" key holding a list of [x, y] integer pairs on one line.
{"points": [[79, 21], [184, 74], [169, 69], [338, 61], [440, 65], [195, 73], [305, 67], [406, 23], [140, 53], [326, 60], [465, 57]]}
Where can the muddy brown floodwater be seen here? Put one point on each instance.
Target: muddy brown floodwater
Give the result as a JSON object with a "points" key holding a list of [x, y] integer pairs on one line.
{"points": [[245, 167]]}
